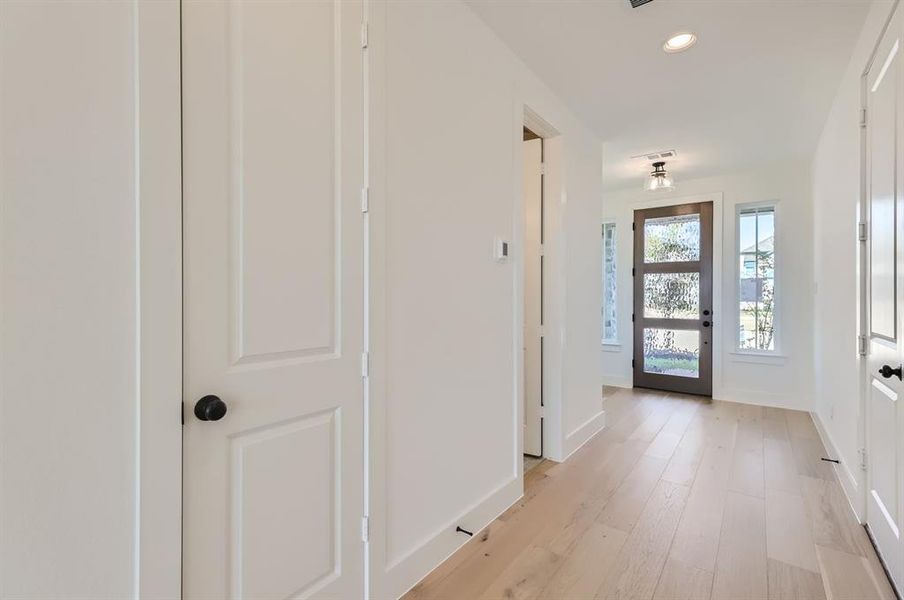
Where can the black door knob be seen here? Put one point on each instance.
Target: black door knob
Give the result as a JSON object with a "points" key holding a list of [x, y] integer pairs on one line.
{"points": [[210, 408], [706, 323], [886, 371]]}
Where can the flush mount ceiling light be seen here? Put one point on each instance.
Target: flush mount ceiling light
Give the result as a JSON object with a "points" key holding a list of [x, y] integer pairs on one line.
{"points": [[680, 42], [659, 180]]}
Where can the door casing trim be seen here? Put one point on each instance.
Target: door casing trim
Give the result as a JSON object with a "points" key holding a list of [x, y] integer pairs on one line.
{"points": [[158, 430]]}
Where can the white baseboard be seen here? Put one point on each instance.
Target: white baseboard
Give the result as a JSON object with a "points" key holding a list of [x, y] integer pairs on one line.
{"points": [[850, 482], [790, 401], [619, 382], [406, 571], [583, 433]]}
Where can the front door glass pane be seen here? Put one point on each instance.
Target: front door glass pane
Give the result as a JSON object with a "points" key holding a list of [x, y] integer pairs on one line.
{"points": [[672, 239], [671, 295], [671, 352]]}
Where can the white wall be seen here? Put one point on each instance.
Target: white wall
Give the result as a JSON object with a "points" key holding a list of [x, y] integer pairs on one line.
{"points": [[82, 394], [68, 400], [836, 197], [784, 380], [86, 301], [449, 103]]}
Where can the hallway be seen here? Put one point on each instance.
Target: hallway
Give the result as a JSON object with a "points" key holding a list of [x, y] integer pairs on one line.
{"points": [[678, 498]]}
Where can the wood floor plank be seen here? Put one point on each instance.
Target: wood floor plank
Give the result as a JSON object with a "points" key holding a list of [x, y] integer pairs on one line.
{"points": [[850, 577], [696, 541], [832, 523], [788, 582], [649, 429], [741, 567], [664, 444], [559, 536], [682, 467], [751, 413], [775, 426], [680, 581], [780, 470], [747, 471], [524, 578], [685, 409], [800, 424], [788, 535], [640, 563], [626, 504], [587, 565]]}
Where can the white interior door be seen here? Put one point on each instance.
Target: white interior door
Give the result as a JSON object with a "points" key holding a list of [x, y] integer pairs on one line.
{"points": [[884, 392], [273, 236], [533, 274]]}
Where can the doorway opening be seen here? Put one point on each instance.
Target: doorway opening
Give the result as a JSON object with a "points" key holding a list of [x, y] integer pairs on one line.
{"points": [[673, 298], [533, 298]]}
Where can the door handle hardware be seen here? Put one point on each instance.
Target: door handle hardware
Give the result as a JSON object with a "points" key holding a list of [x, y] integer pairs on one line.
{"points": [[886, 371], [210, 408], [706, 323]]}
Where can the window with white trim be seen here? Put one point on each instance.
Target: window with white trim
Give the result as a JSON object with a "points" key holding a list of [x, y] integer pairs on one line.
{"points": [[610, 285], [756, 279]]}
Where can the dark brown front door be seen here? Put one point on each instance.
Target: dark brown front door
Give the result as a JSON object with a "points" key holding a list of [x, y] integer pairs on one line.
{"points": [[673, 298]]}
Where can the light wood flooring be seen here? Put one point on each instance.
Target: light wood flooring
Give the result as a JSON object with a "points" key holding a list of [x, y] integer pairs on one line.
{"points": [[679, 497]]}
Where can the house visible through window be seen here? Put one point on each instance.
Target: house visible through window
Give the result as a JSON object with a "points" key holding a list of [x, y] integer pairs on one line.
{"points": [[756, 289], [610, 315]]}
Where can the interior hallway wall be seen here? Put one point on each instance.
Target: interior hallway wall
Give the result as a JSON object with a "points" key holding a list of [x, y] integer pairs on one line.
{"points": [[783, 380], [68, 300], [90, 300], [836, 198], [447, 120]]}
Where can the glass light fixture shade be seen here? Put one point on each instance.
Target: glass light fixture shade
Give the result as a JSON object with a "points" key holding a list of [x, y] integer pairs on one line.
{"points": [[659, 180]]}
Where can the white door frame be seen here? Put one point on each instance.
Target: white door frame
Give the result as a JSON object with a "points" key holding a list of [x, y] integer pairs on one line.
{"points": [[552, 288], [158, 464]]}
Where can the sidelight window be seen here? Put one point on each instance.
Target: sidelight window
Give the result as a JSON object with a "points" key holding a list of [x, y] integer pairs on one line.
{"points": [[756, 285]]}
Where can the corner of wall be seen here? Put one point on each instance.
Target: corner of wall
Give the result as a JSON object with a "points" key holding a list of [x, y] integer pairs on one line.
{"points": [[583, 434]]}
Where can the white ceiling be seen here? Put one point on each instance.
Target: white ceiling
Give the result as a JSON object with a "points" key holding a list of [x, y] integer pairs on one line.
{"points": [[755, 89]]}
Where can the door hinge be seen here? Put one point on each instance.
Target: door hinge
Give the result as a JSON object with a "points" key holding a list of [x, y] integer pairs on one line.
{"points": [[182, 413], [365, 364], [633, 226], [863, 117], [365, 529], [364, 35], [633, 272], [861, 345], [365, 199], [542, 168], [862, 232], [632, 317], [632, 363], [863, 459]]}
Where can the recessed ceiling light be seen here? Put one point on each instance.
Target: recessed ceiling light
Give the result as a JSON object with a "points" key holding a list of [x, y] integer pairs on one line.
{"points": [[679, 42]]}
